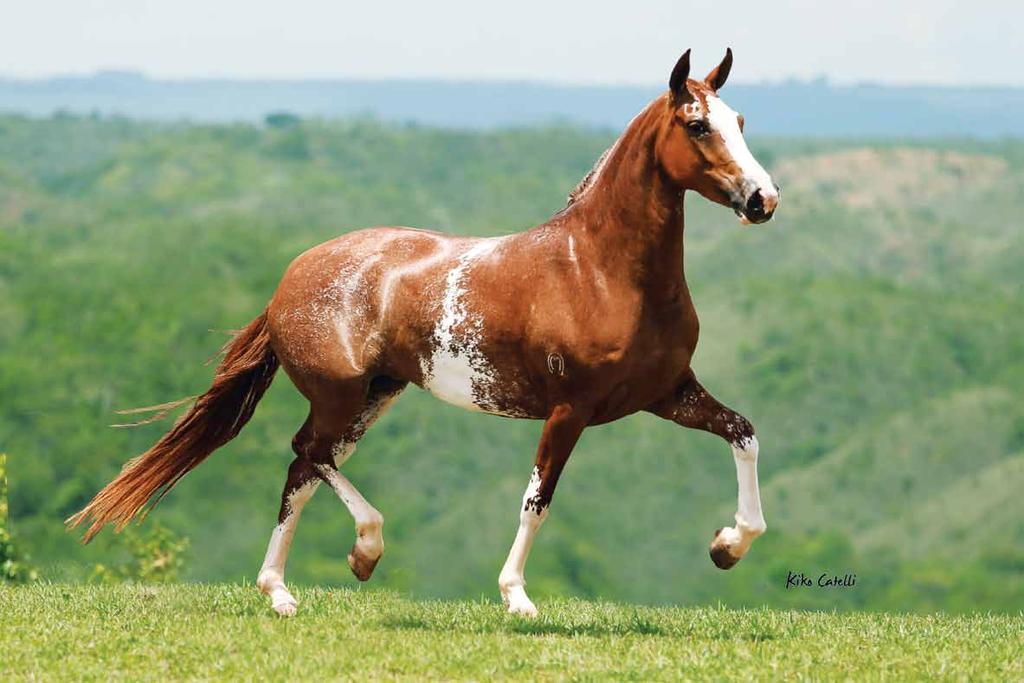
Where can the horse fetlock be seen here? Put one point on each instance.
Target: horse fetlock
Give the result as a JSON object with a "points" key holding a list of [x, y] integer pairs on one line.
{"points": [[753, 529], [517, 601], [508, 580], [513, 594], [271, 583], [269, 579], [370, 537], [371, 525]]}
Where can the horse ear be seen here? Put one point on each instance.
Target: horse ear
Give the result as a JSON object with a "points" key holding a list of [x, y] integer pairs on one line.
{"points": [[716, 79], [677, 81]]}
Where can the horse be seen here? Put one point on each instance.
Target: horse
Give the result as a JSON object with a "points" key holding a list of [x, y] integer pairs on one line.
{"points": [[579, 321]]}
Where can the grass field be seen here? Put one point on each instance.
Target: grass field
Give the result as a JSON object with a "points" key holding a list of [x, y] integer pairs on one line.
{"points": [[228, 632]]}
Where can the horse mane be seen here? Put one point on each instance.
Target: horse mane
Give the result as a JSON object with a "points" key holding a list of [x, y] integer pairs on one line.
{"points": [[592, 175], [588, 179]]}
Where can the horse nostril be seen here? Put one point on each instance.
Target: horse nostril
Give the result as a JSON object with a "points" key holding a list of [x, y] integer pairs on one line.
{"points": [[755, 206]]}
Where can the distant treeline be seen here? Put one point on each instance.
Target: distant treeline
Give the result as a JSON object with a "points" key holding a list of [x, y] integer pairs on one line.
{"points": [[787, 108]]}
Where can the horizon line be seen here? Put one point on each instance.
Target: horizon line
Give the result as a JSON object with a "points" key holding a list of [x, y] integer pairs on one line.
{"points": [[140, 75]]}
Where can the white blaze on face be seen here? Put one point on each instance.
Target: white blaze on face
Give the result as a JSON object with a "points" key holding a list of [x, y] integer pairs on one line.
{"points": [[725, 122]]}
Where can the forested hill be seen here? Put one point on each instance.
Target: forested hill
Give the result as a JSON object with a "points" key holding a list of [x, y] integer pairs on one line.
{"points": [[873, 332], [814, 108]]}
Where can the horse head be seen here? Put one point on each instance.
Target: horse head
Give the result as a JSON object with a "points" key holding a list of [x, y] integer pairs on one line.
{"points": [[700, 145]]}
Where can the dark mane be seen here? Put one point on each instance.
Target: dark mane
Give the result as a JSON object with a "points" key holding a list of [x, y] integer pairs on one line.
{"points": [[582, 186]]}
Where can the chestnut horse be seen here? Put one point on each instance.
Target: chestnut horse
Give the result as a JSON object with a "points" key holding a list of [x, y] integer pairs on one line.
{"points": [[579, 321]]}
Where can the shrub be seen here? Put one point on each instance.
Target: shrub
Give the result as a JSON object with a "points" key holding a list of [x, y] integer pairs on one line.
{"points": [[12, 568], [156, 557]]}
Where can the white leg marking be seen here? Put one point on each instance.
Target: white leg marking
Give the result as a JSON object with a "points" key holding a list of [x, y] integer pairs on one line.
{"points": [[271, 577], [512, 580], [369, 522], [749, 518]]}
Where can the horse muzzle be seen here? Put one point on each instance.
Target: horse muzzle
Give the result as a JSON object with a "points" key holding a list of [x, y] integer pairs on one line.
{"points": [[759, 207]]}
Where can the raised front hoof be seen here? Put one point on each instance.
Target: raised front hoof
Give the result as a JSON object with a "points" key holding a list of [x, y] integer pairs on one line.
{"points": [[361, 565], [720, 553]]}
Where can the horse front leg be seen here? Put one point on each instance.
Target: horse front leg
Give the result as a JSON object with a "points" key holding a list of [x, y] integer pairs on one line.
{"points": [[690, 405], [561, 431]]}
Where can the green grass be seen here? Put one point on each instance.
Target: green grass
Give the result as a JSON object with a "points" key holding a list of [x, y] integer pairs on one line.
{"points": [[228, 632]]}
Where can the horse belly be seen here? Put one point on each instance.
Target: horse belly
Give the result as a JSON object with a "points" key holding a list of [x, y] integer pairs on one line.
{"points": [[464, 377]]}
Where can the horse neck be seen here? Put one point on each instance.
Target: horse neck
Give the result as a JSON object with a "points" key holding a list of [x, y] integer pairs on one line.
{"points": [[631, 215]]}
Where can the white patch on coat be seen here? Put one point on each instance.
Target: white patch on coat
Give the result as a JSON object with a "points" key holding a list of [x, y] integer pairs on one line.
{"points": [[351, 291], [397, 272], [573, 258], [456, 371], [725, 122]]}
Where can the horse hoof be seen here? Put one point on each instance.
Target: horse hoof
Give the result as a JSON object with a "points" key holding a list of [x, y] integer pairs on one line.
{"points": [[285, 608], [361, 565], [720, 554], [526, 609]]}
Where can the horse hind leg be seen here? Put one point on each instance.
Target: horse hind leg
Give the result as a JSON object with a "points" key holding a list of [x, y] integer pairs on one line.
{"points": [[332, 446], [321, 446], [300, 486]]}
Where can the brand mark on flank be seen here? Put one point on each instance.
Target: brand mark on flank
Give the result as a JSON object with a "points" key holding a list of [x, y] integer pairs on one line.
{"points": [[556, 364]]}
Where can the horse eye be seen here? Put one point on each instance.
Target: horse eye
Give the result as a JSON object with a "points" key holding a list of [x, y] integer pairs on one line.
{"points": [[698, 128]]}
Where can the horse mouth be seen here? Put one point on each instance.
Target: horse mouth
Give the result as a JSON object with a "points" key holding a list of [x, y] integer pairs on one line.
{"points": [[745, 219], [742, 216]]}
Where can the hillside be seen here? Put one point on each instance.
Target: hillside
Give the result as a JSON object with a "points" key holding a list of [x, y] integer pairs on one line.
{"points": [[225, 633], [872, 332]]}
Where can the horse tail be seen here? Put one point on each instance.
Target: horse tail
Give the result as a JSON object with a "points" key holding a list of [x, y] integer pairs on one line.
{"points": [[214, 418]]}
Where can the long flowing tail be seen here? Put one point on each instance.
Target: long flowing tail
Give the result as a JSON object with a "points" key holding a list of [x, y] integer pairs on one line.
{"points": [[215, 418]]}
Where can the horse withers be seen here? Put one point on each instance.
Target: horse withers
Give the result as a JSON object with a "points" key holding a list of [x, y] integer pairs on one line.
{"points": [[579, 321]]}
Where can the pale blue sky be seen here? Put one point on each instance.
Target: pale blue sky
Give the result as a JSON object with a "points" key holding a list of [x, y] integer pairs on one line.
{"points": [[936, 42]]}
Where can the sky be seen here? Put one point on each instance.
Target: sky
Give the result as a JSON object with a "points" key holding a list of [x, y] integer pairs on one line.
{"points": [[597, 42]]}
